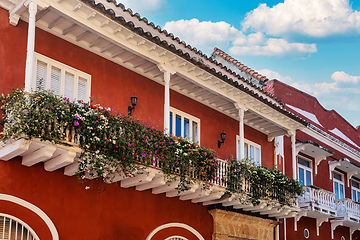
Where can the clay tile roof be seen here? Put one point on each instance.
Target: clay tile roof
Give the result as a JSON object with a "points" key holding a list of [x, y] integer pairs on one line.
{"points": [[252, 72]]}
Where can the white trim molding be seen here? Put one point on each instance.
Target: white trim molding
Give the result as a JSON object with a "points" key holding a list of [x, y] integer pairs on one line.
{"points": [[35, 209]]}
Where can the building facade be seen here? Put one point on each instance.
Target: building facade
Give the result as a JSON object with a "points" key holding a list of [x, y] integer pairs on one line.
{"points": [[79, 49]]}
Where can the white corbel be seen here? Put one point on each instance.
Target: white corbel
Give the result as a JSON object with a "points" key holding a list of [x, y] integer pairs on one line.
{"points": [[16, 11], [349, 176], [299, 148], [332, 166], [317, 162], [319, 222], [334, 225], [352, 230], [297, 218]]}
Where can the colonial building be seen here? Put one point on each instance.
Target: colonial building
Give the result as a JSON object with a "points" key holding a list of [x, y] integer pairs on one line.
{"points": [[327, 164], [79, 49]]}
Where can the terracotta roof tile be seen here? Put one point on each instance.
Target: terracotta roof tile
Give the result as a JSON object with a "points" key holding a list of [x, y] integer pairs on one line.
{"points": [[253, 73]]}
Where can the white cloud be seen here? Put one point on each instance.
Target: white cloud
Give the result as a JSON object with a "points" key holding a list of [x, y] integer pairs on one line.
{"points": [[275, 75], [316, 18], [273, 47], [203, 35], [344, 77], [207, 35], [143, 6]]}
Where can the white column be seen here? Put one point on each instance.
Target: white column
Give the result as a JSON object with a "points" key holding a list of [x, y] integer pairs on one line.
{"points": [[30, 55], [167, 73], [294, 153], [242, 110]]}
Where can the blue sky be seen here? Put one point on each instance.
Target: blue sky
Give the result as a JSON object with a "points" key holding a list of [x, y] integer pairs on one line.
{"points": [[313, 45]]}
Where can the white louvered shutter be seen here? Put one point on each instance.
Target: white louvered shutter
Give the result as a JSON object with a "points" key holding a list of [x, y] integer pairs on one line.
{"points": [[82, 89], [69, 86], [55, 80], [13, 230], [41, 73]]}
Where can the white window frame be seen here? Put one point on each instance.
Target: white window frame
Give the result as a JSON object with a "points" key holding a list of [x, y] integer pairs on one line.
{"points": [[64, 69], [310, 169], [249, 144], [340, 182], [357, 191], [191, 118]]}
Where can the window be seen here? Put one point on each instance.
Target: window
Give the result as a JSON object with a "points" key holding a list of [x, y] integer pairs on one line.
{"points": [[176, 238], [338, 185], [184, 125], [306, 233], [304, 171], [63, 80], [355, 191], [14, 229], [252, 151]]}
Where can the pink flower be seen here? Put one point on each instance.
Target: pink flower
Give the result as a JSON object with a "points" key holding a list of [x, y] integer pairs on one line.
{"points": [[77, 117], [129, 144], [76, 123], [143, 154]]}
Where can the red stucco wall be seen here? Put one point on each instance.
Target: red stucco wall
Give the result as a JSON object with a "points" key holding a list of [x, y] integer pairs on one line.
{"points": [[116, 213]]}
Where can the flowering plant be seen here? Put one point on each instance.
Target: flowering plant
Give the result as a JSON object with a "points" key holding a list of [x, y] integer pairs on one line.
{"points": [[111, 143], [253, 183]]}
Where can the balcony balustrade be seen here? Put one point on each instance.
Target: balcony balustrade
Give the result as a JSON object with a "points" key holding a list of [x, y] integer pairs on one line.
{"points": [[348, 209], [318, 203]]}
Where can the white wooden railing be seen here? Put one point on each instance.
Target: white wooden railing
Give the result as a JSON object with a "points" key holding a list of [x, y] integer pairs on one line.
{"points": [[348, 208], [319, 196]]}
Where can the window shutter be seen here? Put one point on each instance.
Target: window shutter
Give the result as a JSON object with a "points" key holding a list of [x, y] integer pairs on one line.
{"points": [[69, 86], [82, 89], [55, 80], [41, 73], [13, 230]]}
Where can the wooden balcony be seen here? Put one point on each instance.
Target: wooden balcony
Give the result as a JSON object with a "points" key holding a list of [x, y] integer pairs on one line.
{"points": [[58, 156]]}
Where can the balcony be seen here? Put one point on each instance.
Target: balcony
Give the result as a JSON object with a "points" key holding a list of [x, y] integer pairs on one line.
{"points": [[317, 202], [177, 168], [348, 211]]}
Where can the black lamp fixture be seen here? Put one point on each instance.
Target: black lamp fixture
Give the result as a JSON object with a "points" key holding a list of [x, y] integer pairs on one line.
{"points": [[222, 136], [133, 104]]}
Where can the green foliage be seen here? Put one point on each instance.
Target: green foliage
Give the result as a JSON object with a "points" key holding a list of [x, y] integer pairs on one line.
{"points": [[254, 183]]}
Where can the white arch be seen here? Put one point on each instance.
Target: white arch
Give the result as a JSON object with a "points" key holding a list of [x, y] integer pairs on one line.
{"points": [[36, 210], [179, 225]]}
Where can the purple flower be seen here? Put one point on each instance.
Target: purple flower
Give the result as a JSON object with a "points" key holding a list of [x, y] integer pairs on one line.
{"points": [[96, 121], [143, 154], [170, 143], [77, 117], [129, 144], [76, 123]]}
